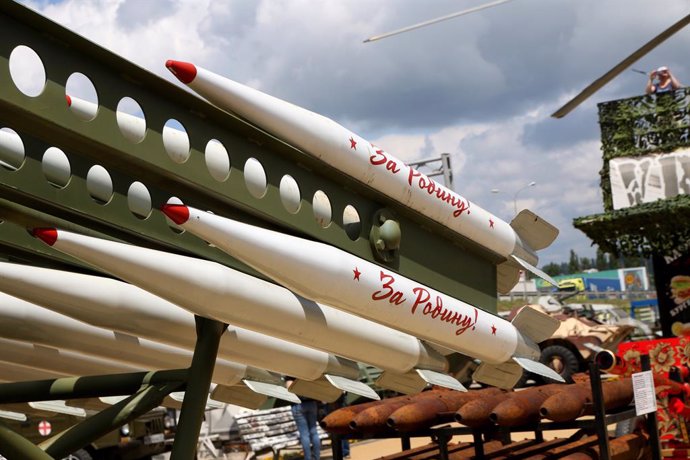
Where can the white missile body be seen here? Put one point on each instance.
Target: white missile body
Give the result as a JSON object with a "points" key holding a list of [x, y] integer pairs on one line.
{"points": [[57, 360], [329, 275], [213, 290], [332, 143], [103, 302], [21, 320]]}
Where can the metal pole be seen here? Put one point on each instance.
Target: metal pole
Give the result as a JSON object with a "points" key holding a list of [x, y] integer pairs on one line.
{"points": [[447, 171], [13, 445], [208, 333], [86, 387], [108, 420], [599, 412], [652, 422]]}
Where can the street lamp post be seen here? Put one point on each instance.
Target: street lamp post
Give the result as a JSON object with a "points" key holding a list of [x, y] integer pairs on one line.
{"points": [[515, 195], [531, 184]]}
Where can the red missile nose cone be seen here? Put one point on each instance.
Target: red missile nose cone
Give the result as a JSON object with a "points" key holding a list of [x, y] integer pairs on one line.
{"points": [[69, 100], [178, 213], [184, 71], [48, 235]]}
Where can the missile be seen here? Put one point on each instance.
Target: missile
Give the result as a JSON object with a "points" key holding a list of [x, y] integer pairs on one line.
{"points": [[515, 243], [333, 277], [13, 372], [24, 321], [103, 302], [207, 289], [52, 359]]}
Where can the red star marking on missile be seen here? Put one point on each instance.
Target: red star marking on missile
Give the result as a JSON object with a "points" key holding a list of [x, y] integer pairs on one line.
{"points": [[491, 223], [493, 330], [357, 273], [353, 143]]}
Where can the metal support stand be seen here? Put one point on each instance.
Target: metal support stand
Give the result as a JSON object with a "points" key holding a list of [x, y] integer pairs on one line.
{"points": [[208, 333], [652, 422], [337, 447], [599, 412], [13, 445], [107, 420], [405, 443]]}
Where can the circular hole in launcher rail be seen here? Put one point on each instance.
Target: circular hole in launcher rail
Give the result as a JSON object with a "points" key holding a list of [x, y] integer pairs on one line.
{"points": [[217, 160], [176, 141], [56, 167], [290, 194], [352, 224], [255, 178], [12, 151], [131, 120], [27, 71], [99, 184], [322, 208], [139, 200], [81, 96]]}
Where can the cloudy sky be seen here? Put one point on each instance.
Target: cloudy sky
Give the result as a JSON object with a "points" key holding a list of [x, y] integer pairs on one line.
{"points": [[480, 87]]}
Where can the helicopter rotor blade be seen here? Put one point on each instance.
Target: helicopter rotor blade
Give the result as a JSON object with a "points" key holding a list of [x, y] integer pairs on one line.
{"points": [[620, 67], [434, 21]]}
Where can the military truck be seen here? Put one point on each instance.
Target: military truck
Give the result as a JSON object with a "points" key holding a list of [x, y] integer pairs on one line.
{"points": [[577, 339]]}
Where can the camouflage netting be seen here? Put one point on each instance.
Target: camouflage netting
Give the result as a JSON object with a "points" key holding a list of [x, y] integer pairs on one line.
{"points": [[637, 127]]}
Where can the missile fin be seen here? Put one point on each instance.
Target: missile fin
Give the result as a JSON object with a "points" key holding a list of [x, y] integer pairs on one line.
{"points": [[88, 404], [534, 230], [538, 368], [271, 389], [58, 407], [439, 379], [505, 375], [352, 386], [531, 268], [408, 383], [210, 403], [535, 325], [507, 276], [239, 395], [319, 389], [9, 415]]}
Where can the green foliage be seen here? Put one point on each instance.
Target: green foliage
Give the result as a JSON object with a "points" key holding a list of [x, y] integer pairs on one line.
{"points": [[643, 230], [637, 127]]}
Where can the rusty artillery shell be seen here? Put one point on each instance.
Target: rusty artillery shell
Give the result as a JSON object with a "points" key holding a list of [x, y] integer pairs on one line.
{"points": [[475, 414], [523, 407], [373, 418], [567, 405], [338, 421], [425, 413]]}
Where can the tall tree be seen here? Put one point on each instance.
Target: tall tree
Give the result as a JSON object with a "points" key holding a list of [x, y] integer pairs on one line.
{"points": [[573, 263]]}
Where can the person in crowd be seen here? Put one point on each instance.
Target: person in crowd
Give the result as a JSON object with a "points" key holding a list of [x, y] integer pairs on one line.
{"points": [[661, 80], [305, 415]]}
